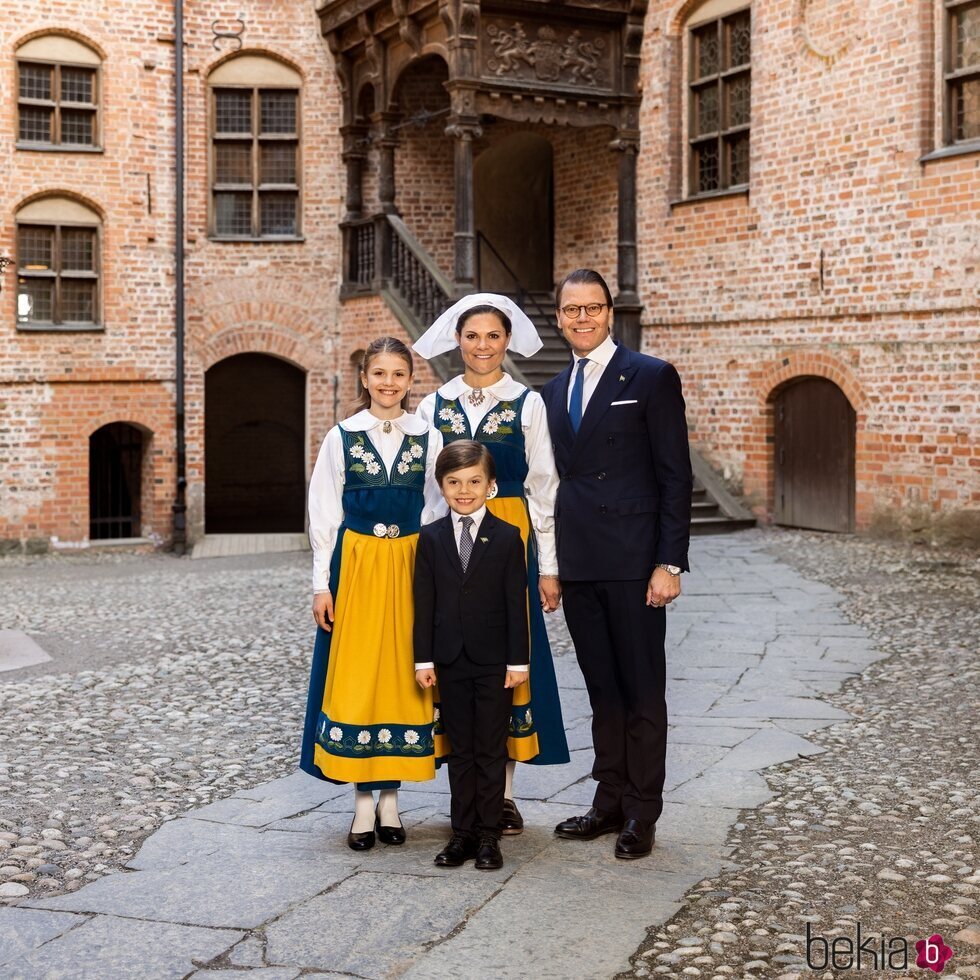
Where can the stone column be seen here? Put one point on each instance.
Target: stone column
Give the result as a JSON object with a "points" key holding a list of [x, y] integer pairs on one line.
{"points": [[627, 300], [386, 174], [354, 154], [464, 266]]}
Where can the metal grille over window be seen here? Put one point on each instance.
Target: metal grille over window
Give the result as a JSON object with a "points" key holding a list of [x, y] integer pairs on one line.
{"points": [[720, 89], [57, 105], [255, 192], [57, 275], [963, 71]]}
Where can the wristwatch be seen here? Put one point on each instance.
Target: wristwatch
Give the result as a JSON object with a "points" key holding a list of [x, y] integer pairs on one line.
{"points": [[671, 569]]}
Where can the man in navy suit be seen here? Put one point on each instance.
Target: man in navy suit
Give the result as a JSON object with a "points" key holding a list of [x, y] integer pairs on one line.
{"points": [[623, 518]]}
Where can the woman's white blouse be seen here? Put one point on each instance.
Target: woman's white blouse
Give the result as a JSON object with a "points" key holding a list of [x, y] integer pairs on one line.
{"points": [[327, 483], [541, 484]]}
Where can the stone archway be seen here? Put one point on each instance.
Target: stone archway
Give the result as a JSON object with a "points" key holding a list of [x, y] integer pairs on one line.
{"points": [[814, 450], [513, 191], [254, 446]]}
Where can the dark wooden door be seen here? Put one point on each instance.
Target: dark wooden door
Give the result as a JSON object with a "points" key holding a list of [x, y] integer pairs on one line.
{"points": [[814, 456], [115, 461], [254, 446]]}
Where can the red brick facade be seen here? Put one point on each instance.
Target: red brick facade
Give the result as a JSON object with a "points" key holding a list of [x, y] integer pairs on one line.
{"points": [[849, 257]]}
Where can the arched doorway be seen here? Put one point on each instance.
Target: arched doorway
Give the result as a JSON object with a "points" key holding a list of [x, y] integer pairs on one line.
{"points": [[814, 464], [115, 463], [254, 439], [513, 198]]}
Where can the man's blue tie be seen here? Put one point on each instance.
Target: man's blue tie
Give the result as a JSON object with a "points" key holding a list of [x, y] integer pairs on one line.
{"points": [[578, 390]]}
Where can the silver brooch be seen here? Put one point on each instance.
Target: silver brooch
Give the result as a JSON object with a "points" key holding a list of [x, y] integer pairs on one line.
{"points": [[476, 396], [386, 428], [380, 530], [393, 531]]}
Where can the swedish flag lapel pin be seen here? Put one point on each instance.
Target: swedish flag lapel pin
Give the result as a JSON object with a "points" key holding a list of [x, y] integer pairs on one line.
{"points": [[622, 377], [484, 540]]}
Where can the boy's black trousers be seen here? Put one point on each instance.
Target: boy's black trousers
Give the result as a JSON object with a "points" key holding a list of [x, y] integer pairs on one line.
{"points": [[475, 709]]}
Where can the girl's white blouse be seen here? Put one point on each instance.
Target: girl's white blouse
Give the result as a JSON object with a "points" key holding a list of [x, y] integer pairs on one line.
{"points": [[327, 483], [541, 485]]}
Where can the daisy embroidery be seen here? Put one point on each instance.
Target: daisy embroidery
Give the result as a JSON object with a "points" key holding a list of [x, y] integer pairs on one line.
{"points": [[508, 415], [492, 424], [447, 414], [384, 736], [336, 734], [402, 467], [411, 737], [363, 737], [416, 451], [371, 465]]}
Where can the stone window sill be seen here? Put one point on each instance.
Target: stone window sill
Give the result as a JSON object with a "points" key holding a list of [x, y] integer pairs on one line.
{"points": [[260, 239], [61, 327], [740, 191], [58, 148], [955, 150]]}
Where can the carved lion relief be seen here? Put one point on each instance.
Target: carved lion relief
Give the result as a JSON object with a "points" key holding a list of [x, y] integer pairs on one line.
{"points": [[570, 57]]}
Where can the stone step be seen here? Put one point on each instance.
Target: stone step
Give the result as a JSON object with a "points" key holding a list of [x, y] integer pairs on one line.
{"points": [[226, 545]]}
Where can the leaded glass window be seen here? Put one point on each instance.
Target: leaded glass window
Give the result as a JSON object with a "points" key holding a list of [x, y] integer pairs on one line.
{"points": [[57, 105], [720, 103], [962, 71], [255, 163], [57, 275]]}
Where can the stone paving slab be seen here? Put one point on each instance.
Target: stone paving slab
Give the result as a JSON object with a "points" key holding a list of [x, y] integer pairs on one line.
{"points": [[23, 930], [18, 650], [110, 948], [219, 890]]}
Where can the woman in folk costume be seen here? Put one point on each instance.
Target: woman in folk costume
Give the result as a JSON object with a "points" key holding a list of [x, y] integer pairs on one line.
{"points": [[489, 406], [367, 721]]}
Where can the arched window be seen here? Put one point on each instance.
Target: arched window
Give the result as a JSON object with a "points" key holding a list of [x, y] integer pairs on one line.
{"points": [[57, 265], [719, 96], [255, 149], [58, 94], [962, 71]]}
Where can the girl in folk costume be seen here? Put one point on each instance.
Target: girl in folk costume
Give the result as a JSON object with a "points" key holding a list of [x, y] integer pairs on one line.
{"points": [[367, 721], [489, 406]]}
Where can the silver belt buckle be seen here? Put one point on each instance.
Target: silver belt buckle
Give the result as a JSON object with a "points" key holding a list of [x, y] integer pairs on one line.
{"points": [[393, 531], [380, 530]]}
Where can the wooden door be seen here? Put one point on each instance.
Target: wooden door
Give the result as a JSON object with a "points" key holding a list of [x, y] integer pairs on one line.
{"points": [[814, 456]]}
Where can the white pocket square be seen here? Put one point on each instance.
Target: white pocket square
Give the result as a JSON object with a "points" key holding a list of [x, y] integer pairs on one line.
{"points": [[629, 401]]}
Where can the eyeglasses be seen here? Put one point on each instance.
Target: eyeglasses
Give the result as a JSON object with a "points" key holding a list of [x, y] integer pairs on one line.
{"points": [[592, 310]]}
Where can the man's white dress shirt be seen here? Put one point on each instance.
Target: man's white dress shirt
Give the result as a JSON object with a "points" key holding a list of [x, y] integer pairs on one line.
{"points": [[598, 360]]}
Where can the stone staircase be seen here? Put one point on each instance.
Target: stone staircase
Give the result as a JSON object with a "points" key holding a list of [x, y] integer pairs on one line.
{"points": [[554, 356]]}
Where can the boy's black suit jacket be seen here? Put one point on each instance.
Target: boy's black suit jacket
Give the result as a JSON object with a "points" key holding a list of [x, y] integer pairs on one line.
{"points": [[624, 500], [483, 609]]}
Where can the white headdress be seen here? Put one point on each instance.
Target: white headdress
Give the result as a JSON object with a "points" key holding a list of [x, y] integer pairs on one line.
{"points": [[441, 336]]}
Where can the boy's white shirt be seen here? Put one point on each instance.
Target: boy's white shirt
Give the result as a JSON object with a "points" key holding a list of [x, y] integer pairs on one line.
{"points": [[541, 482], [326, 497], [477, 516]]}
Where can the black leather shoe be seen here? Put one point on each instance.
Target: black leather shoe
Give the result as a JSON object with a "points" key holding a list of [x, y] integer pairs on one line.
{"points": [[636, 839], [387, 835], [594, 824], [459, 849], [360, 842], [488, 856], [511, 821]]}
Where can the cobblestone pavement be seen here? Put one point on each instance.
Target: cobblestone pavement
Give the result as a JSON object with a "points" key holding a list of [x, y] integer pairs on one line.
{"points": [[176, 690], [882, 830]]}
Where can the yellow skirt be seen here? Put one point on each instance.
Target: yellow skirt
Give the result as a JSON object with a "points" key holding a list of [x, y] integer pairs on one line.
{"points": [[376, 722], [522, 744]]}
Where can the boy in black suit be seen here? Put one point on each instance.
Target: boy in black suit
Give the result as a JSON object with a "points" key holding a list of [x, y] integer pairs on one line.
{"points": [[471, 623]]}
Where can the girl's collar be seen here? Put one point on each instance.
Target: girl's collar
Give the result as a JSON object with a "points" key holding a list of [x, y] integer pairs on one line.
{"points": [[406, 423]]}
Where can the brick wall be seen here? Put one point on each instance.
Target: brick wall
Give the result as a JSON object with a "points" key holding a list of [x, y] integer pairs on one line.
{"points": [[848, 259]]}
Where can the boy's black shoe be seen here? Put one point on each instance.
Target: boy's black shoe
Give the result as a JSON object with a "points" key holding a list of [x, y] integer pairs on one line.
{"points": [[511, 821], [461, 847], [488, 856]]}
